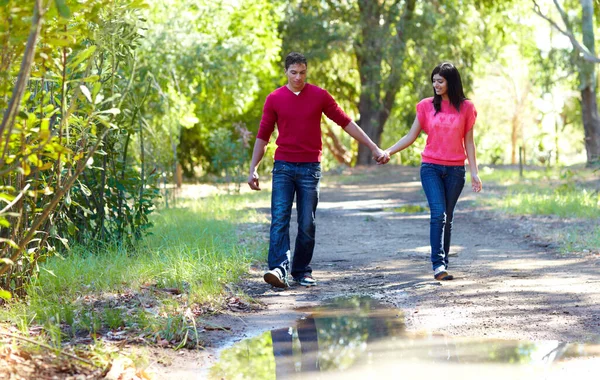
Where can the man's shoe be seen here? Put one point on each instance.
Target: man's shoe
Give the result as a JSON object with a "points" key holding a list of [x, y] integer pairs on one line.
{"points": [[275, 278], [306, 280]]}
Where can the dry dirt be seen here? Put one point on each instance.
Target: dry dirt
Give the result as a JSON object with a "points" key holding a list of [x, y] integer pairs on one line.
{"points": [[511, 281]]}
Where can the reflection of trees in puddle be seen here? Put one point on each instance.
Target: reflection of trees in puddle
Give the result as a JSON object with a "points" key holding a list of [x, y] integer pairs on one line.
{"points": [[347, 326], [249, 359], [332, 338], [351, 332]]}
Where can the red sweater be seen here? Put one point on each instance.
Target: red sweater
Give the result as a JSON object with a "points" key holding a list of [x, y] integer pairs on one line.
{"points": [[445, 131], [298, 119]]}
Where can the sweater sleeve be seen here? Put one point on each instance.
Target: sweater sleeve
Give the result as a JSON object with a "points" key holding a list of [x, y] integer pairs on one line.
{"points": [[422, 114], [268, 120], [334, 112], [470, 117]]}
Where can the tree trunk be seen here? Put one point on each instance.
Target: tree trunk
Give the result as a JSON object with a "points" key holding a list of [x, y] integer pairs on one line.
{"points": [[589, 105], [591, 125], [514, 137], [369, 53], [378, 94], [335, 146]]}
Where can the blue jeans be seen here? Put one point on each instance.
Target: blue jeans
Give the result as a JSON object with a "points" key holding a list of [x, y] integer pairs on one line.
{"points": [[442, 186], [289, 179]]}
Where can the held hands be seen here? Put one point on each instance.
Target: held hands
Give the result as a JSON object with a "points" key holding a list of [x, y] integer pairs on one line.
{"points": [[253, 180], [476, 184], [381, 156]]}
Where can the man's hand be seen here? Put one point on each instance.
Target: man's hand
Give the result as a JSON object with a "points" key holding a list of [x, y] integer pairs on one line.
{"points": [[381, 156], [253, 180]]}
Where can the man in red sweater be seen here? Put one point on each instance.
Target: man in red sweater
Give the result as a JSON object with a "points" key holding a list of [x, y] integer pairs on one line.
{"points": [[296, 109]]}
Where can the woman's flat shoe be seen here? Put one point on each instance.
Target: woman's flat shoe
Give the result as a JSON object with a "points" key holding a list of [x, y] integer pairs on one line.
{"points": [[444, 276]]}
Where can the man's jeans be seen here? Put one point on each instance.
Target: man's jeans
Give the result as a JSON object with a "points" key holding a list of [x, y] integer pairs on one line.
{"points": [[442, 186], [301, 179]]}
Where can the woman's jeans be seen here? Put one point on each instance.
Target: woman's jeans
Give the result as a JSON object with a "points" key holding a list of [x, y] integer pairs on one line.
{"points": [[442, 186], [289, 179]]}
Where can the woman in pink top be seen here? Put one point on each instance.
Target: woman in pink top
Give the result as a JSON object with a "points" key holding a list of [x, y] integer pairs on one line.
{"points": [[448, 120]]}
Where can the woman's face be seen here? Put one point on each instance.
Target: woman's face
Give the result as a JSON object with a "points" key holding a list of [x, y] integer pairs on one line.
{"points": [[440, 85]]}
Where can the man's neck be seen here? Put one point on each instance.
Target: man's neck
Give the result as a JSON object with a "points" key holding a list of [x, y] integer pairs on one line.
{"points": [[294, 89]]}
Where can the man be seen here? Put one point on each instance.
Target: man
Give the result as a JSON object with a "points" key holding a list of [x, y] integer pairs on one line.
{"points": [[296, 108]]}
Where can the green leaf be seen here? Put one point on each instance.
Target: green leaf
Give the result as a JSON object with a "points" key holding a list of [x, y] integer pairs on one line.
{"points": [[85, 190], [91, 78], [49, 271], [63, 9], [113, 111], [9, 242], [82, 56], [5, 295], [86, 92], [7, 197]]}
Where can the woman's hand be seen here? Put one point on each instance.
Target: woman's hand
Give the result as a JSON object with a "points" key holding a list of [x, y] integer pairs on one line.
{"points": [[476, 184]]}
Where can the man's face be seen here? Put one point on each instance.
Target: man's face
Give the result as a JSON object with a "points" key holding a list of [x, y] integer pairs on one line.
{"points": [[296, 75]]}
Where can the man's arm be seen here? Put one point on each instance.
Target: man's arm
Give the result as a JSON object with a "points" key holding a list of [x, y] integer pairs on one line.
{"points": [[260, 147], [359, 135]]}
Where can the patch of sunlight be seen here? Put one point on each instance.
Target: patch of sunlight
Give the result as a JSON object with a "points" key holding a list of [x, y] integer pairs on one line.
{"points": [[528, 264], [360, 204], [362, 186], [422, 249], [412, 217], [551, 284]]}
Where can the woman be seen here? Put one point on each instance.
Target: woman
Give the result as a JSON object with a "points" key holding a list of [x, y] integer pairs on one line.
{"points": [[448, 120]]}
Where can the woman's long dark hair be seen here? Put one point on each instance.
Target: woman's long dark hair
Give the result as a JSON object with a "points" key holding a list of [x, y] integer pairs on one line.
{"points": [[456, 94]]}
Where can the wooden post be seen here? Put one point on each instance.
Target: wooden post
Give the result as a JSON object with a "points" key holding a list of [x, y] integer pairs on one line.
{"points": [[520, 161], [178, 175]]}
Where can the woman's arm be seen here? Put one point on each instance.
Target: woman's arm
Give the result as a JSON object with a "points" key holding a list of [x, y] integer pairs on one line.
{"points": [[407, 139], [472, 157]]}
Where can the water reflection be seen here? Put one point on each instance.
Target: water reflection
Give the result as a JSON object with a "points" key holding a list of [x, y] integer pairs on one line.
{"points": [[357, 337]]}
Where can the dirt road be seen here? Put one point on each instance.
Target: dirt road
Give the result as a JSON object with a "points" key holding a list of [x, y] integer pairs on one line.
{"points": [[509, 283]]}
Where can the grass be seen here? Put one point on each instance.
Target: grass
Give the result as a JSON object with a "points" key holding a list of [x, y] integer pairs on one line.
{"points": [[580, 239], [570, 194], [201, 249], [562, 193]]}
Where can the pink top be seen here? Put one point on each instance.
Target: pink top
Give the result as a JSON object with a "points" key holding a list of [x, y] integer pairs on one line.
{"points": [[298, 119], [445, 131]]}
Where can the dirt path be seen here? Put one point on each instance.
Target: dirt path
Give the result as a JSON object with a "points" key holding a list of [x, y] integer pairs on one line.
{"points": [[508, 283]]}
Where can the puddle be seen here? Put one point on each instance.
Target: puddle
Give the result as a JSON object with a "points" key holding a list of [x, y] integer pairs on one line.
{"points": [[357, 338]]}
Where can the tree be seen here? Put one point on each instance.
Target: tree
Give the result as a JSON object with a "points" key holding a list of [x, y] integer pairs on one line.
{"points": [[63, 107], [208, 61], [586, 65], [391, 44]]}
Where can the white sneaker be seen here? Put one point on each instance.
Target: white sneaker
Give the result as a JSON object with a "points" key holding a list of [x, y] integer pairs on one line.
{"points": [[275, 278]]}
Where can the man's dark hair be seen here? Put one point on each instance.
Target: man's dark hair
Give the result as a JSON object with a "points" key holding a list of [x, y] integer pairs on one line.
{"points": [[456, 94], [294, 58]]}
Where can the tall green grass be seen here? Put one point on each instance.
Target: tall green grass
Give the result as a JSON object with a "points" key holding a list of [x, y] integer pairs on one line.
{"points": [[571, 203], [199, 248], [573, 195], [543, 192]]}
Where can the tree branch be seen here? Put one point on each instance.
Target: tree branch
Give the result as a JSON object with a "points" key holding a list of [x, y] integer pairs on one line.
{"points": [[14, 201], [576, 45], [392, 84], [28, 56], [58, 195]]}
